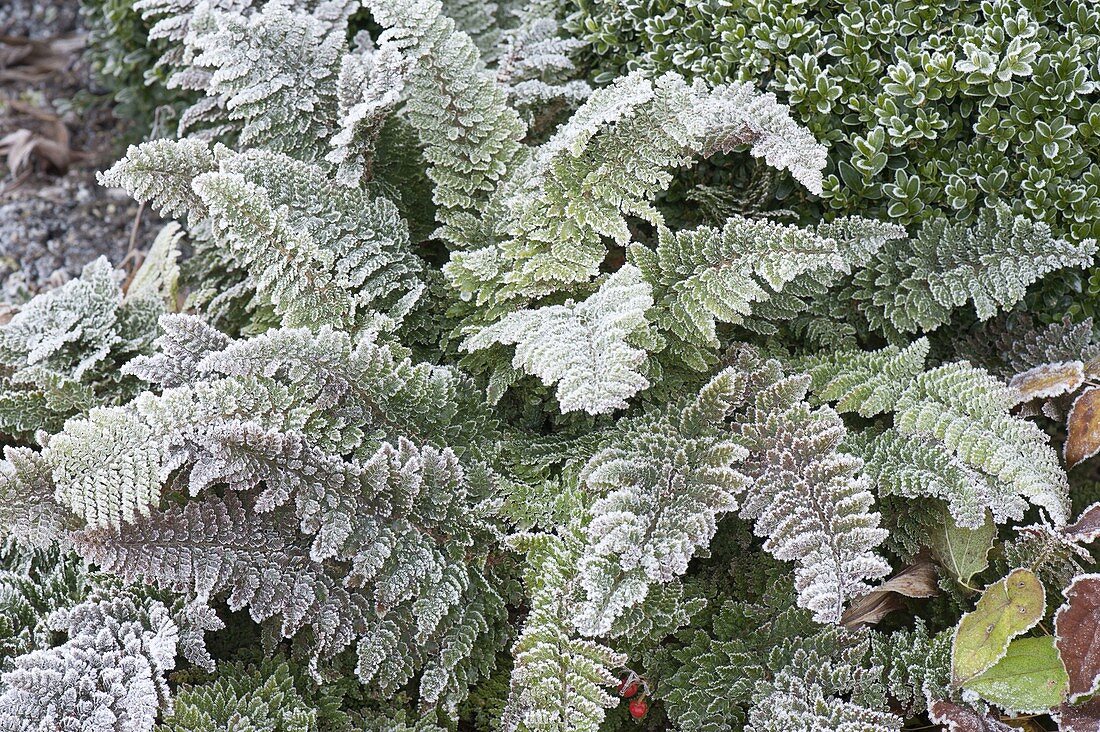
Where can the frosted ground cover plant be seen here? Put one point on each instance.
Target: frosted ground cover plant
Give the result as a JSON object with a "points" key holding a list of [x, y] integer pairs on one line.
{"points": [[437, 407]]}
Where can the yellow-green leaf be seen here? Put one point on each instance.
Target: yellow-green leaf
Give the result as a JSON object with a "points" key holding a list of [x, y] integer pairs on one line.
{"points": [[1005, 610], [960, 550], [1029, 679]]}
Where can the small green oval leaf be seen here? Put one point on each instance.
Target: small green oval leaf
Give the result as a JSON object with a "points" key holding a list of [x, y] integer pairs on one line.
{"points": [[1005, 610], [1029, 679]]}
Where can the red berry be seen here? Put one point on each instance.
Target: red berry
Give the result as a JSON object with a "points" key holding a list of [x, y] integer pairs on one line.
{"points": [[638, 707], [628, 688]]}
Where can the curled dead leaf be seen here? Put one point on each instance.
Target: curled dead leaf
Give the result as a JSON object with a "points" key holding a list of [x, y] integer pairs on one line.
{"points": [[1077, 634], [50, 144], [916, 580], [1048, 380], [1086, 528], [30, 60], [1083, 427], [957, 718]]}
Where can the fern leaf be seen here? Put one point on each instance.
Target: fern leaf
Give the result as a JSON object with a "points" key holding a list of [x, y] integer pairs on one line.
{"points": [[867, 383], [471, 135], [806, 497], [160, 172], [586, 349], [660, 496], [558, 682], [915, 285], [967, 410], [109, 467]]}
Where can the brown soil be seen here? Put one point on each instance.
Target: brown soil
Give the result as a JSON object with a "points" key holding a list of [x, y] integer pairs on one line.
{"points": [[56, 129]]}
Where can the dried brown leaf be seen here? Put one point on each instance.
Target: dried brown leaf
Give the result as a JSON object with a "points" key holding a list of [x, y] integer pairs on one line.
{"points": [[1087, 526], [1077, 634], [1048, 380], [23, 146], [30, 60], [1083, 428], [1079, 717], [957, 718], [916, 580]]}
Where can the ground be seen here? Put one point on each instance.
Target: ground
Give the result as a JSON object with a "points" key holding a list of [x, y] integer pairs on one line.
{"points": [[57, 128]]}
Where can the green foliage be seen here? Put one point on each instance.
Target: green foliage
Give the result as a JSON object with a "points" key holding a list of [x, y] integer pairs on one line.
{"points": [[926, 109], [1030, 677], [765, 664], [867, 383], [460, 392], [60, 353], [558, 677], [1006, 609], [267, 695], [953, 436], [915, 285], [470, 135], [703, 277], [124, 59], [33, 585]]}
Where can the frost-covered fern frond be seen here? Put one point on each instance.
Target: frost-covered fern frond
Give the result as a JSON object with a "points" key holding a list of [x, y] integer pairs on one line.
{"points": [[953, 436], [184, 342], [109, 674], [811, 695], [348, 394], [916, 666], [28, 511], [806, 497], [536, 66], [361, 239], [865, 382], [914, 285], [967, 411], [319, 252], [294, 272], [607, 162], [161, 171], [557, 684], [269, 77], [253, 559], [69, 330], [736, 115], [708, 276], [1056, 342], [171, 18], [471, 136], [325, 526], [59, 354], [397, 593], [368, 89], [108, 467], [478, 20], [33, 585], [593, 351], [660, 491], [264, 697], [915, 466]]}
